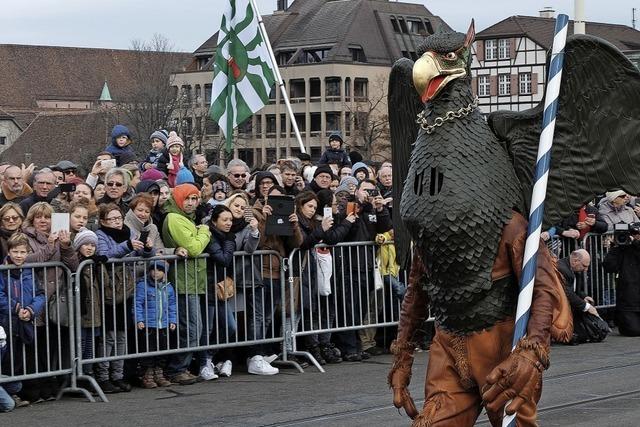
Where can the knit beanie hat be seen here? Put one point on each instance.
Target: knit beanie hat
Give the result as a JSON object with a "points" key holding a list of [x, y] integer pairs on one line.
{"points": [[184, 176], [153, 175], [174, 139], [147, 186], [360, 166], [612, 195], [159, 265], [323, 169], [161, 135], [119, 130], [84, 237], [344, 184], [182, 191]]}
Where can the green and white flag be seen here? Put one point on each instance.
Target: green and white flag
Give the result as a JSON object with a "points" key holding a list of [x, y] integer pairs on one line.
{"points": [[242, 72]]}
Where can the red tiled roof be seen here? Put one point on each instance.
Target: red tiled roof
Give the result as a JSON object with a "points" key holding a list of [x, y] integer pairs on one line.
{"points": [[30, 73], [541, 30]]}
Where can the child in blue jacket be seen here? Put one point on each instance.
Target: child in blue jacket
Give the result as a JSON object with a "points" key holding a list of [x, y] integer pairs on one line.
{"points": [[155, 311], [120, 144], [21, 302]]}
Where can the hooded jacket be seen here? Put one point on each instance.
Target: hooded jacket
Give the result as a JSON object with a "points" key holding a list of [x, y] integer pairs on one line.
{"points": [[179, 230], [155, 304], [18, 286], [117, 151], [333, 155]]}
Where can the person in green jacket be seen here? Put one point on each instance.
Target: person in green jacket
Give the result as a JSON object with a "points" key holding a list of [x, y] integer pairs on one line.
{"points": [[179, 230]]}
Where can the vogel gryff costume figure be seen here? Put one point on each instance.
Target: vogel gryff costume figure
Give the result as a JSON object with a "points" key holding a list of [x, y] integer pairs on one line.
{"points": [[466, 192]]}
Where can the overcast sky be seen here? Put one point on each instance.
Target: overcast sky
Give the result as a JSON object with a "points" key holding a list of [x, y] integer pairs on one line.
{"points": [[188, 23]]}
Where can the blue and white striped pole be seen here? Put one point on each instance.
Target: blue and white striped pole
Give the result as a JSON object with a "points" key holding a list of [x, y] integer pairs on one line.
{"points": [[540, 188]]}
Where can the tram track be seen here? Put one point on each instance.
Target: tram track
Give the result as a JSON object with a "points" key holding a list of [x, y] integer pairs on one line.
{"points": [[541, 410]]}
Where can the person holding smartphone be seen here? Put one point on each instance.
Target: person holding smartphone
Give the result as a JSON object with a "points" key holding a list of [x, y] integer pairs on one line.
{"points": [[372, 217], [585, 220]]}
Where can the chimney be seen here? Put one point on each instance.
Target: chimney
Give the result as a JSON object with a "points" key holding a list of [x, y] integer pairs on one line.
{"points": [[578, 24], [282, 5], [547, 12]]}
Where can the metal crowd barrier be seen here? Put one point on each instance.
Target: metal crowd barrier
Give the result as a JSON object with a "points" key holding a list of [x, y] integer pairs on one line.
{"points": [[108, 295], [87, 322], [42, 346], [339, 289]]}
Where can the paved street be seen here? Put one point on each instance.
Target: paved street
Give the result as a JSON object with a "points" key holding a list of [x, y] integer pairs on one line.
{"points": [[355, 394]]}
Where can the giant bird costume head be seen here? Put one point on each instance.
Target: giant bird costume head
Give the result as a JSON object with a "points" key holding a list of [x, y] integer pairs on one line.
{"points": [[464, 175]]}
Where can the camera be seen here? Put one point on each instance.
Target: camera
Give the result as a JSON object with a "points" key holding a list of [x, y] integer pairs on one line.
{"points": [[622, 233]]}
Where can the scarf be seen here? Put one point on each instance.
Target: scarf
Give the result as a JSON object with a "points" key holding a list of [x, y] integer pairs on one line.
{"points": [[118, 235], [238, 225]]}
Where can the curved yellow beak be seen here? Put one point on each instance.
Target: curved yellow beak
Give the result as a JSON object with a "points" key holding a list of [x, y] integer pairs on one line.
{"points": [[429, 77]]}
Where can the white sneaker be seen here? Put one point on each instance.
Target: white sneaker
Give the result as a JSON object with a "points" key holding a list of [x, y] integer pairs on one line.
{"points": [[207, 373], [224, 368], [270, 359], [258, 366]]}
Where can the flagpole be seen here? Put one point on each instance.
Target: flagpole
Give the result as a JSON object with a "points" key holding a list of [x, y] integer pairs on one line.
{"points": [[283, 89]]}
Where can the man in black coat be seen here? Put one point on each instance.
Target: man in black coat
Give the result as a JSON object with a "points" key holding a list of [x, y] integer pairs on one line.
{"points": [[625, 261], [357, 264], [576, 263]]}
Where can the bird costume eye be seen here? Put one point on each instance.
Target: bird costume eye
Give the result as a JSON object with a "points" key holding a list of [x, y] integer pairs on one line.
{"points": [[451, 56]]}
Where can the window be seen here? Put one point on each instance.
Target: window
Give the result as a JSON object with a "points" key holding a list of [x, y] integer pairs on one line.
{"points": [[403, 26], [417, 27], [207, 94], [333, 121], [258, 126], [272, 94], [332, 88], [503, 49], [3, 140], [311, 56], [284, 57], [246, 127], [271, 155], [301, 122], [347, 88], [484, 86], [296, 89], [314, 88], [283, 125], [271, 125], [316, 123], [490, 50], [525, 83], [504, 84], [246, 154], [360, 89], [357, 55], [211, 127]]}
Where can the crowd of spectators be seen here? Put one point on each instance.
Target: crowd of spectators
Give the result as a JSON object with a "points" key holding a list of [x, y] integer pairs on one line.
{"points": [[166, 204]]}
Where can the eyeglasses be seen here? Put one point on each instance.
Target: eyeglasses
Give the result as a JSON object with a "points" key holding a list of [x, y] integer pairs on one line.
{"points": [[113, 219], [114, 184], [239, 175], [10, 218]]}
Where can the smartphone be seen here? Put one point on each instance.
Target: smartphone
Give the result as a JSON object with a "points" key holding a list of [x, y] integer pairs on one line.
{"points": [[109, 164], [144, 235], [248, 214], [328, 212], [67, 188], [373, 193], [351, 208]]}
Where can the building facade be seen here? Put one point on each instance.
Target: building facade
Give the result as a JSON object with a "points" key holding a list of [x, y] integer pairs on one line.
{"points": [[335, 59], [509, 61]]}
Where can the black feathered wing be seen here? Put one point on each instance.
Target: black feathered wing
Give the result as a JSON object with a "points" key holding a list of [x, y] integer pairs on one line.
{"points": [[404, 104], [596, 146]]}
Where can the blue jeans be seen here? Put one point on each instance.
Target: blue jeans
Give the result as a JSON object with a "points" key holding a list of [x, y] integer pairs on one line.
{"points": [[222, 327], [189, 332], [398, 289], [6, 390]]}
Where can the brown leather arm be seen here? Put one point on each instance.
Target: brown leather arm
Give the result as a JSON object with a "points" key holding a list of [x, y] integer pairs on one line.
{"points": [[547, 290], [414, 305]]}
